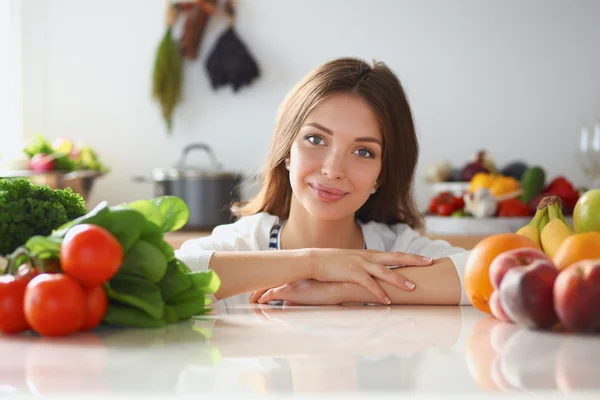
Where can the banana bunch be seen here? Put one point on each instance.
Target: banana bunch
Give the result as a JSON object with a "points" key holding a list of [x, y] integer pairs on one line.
{"points": [[548, 228]]}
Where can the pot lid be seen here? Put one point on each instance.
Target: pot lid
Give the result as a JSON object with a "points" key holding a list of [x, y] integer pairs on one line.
{"points": [[169, 174], [183, 171]]}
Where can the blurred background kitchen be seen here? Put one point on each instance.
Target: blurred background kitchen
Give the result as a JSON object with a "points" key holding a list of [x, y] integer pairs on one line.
{"points": [[518, 79]]}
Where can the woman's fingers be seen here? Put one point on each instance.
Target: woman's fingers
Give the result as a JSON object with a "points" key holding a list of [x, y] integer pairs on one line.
{"points": [[256, 295], [372, 286], [391, 277], [398, 259], [268, 295]]}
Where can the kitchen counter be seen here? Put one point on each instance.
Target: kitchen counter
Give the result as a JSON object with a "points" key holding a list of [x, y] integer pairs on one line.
{"points": [[251, 350]]}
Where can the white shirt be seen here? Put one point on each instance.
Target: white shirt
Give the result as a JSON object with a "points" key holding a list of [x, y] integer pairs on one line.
{"points": [[252, 234]]}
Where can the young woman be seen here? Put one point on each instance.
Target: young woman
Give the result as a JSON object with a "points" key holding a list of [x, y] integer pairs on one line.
{"points": [[335, 215]]}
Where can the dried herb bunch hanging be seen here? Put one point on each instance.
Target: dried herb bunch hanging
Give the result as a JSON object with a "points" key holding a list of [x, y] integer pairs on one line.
{"points": [[197, 15], [167, 77]]}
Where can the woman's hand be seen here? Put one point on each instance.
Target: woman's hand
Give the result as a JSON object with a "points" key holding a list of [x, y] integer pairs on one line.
{"points": [[362, 267], [305, 292]]}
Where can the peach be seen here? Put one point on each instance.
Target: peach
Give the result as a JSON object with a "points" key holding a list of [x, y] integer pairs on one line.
{"points": [[496, 307], [520, 257], [577, 295], [526, 294]]}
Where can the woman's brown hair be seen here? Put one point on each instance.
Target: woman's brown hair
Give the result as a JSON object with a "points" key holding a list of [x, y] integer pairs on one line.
{"points": [[381, 89]]}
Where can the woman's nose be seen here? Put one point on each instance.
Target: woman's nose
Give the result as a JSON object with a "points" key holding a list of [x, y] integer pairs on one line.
{"points": [[333, 166]]}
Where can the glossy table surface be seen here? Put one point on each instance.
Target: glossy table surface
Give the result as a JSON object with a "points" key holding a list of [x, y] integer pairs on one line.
{"points": [[349, 351]]}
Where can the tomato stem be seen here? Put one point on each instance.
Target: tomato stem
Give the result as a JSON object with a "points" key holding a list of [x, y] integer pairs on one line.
{"points": [[14, 258], [3, 265], [38, 262]]}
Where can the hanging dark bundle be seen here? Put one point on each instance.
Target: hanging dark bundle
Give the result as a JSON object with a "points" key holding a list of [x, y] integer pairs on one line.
{"points": [[230, 61]]}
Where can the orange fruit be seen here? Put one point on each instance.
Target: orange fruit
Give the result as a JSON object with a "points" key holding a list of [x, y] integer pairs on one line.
{"points": [[478, 286], [480, 354], [581, 246]]}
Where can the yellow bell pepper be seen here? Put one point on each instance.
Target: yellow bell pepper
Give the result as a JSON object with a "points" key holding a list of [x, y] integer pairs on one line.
{"points": [[504, 185], [481, 180], [497, 184]]}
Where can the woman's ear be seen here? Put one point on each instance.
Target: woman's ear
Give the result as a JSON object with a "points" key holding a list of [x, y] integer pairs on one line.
{"points": [[375, 187]]}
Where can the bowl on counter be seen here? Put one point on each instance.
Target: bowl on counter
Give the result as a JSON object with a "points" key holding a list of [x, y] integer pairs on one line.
{"points": [[437, 225], [456, 188], [80, 182]]}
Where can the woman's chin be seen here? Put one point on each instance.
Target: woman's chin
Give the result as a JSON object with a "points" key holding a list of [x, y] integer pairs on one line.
{"points": [[328, 211]]}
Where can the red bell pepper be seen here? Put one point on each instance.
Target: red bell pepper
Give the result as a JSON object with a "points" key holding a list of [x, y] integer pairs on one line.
{"points": [[564, 189], [513, 208]]}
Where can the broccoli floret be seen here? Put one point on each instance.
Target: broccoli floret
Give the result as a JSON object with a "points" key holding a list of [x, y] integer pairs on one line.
{"points": [[27, 210]]}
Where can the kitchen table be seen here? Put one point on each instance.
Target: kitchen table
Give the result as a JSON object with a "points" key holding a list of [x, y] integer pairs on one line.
{"points": [[347, 351]]}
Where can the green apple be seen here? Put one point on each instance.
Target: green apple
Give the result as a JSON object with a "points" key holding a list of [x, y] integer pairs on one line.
{"points": [[586, 215]]}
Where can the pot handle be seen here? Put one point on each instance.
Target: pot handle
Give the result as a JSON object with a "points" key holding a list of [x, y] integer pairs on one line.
{"points": [[199, 146]]}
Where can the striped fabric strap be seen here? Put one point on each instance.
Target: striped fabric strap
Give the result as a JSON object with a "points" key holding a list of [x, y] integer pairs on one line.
{"points": [[274, 237]]}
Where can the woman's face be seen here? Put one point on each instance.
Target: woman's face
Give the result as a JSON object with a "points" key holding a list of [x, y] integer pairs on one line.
{"points": [[336, 157]]}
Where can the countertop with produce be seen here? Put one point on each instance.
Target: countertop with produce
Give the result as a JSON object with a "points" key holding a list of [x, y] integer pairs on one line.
{"points": [[95, 302], [322, 352]]}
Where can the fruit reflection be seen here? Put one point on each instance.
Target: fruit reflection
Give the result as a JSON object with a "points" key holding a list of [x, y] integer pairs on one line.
{"points": [[64, 365], [504, 357]]}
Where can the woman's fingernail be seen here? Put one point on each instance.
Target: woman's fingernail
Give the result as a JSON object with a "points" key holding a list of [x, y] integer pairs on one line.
{"points": [[387, 300], [427, 259], [409, 285]]}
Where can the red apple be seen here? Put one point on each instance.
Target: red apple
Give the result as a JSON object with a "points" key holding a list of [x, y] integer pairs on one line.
{"points": [[577, 366], [577, 296], [496, 307], [520, 257], [41, 163], [528, 361], [526, 294]]}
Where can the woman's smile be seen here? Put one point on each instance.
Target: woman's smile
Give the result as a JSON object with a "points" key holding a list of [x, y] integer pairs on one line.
{"points": [[327, 193]]}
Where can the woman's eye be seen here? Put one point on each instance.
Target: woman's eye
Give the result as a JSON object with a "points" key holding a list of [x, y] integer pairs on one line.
{"points": [[364, 152], [314, 139]]}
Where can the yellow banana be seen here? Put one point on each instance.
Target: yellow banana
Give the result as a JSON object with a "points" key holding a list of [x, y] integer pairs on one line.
{"points": [[532, 229], [544, 221], [555, 231]]}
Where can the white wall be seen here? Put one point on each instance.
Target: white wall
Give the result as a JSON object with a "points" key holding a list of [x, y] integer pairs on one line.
{"points": [[10, 81], [517, 77]]}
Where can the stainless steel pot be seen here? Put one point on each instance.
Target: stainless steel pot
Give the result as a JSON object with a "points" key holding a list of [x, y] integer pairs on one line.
{"points": [[208, 193]]}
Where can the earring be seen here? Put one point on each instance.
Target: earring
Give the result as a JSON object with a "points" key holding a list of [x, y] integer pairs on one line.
{"points": [[287, 164], [373, 191]]}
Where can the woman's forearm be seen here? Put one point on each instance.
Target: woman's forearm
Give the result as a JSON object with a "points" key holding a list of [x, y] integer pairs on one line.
{"points": [[244, 271], [437, 284]]}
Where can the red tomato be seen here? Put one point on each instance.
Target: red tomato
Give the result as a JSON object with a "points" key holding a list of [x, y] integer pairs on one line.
{"points": [[433, 203], [25, 271], [12, 293], [55, 304], [457, 203], [90, 254], [445, 209], [444, 197], [96, 305]]}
